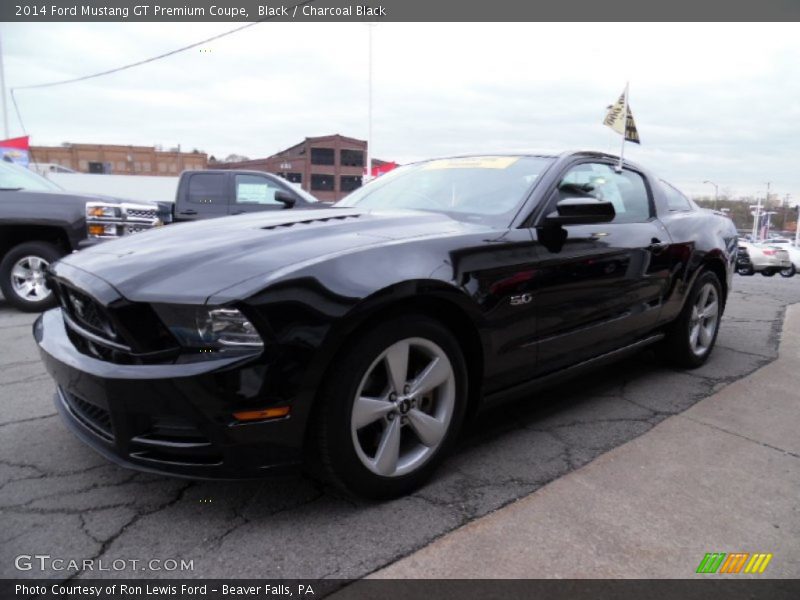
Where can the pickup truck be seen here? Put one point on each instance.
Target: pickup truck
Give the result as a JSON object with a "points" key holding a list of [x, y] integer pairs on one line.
{"points": [[40, 223], [218, 193]]}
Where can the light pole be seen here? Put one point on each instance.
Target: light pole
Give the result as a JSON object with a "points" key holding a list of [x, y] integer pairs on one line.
{"points": [[368, 173], [797, 227], [716, 192]]}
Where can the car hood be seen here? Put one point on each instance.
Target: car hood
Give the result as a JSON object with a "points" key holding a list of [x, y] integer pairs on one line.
{"points": [[189, 262]]}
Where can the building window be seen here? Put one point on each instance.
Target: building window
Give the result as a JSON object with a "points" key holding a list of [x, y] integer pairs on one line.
{"points": [[173, 168], [162, 168], [121, 166], [294, 177], [146, 166], [348, 183], [352, 158], [323, 156], [322, 183]]}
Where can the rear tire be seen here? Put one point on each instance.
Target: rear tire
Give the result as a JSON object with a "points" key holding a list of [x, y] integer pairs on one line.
{"points": [[691, 337], [788, 271], [21, 276], [392, 408]]}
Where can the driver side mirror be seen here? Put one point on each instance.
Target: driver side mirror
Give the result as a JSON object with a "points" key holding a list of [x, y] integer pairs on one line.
{"points": [[581, 211], [288, 199]]}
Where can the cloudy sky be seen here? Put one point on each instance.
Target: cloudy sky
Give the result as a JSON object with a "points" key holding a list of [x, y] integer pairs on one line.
{"points": [[716, 102]]}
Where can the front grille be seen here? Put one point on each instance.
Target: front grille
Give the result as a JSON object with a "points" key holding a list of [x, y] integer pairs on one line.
{"points": [[122, 332], [136, 228], [92, 416], [138, 213], [88, 313]]}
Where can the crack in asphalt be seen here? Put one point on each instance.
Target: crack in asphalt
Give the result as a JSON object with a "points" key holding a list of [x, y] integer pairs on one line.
{"points": [[139, 515], [486, 472]]}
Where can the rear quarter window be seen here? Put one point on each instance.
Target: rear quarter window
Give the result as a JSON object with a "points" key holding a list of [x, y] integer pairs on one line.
{"points": [[676, 201]]}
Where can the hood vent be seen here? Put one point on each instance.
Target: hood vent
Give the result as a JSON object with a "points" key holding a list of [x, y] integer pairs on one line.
{"points": [[307, 221]]}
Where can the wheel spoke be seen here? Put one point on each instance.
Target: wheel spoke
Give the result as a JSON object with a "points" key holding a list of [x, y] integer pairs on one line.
{"points": [[695, 333], [389, 449], [711, 310], [429, 430], [705, 336], [20, 272], [368, 410], [397, 365], [703, 298], [434, 375]]}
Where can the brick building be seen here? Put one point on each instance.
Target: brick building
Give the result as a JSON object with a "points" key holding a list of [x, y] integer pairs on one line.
{"points": [[119, 160], [329, 167]]}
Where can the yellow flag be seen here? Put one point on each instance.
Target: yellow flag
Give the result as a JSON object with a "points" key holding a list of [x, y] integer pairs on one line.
{"points": [[620, 118]]}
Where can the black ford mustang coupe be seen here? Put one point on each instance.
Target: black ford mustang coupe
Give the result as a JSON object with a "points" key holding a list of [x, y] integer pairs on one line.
{"points": [[357, 339]]}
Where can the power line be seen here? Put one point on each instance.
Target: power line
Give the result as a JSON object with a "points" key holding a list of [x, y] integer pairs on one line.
{"points": [[139, 63], [154, 58]]}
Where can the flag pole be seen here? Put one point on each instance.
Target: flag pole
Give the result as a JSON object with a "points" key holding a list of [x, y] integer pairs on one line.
{"points": [[624, 128]]}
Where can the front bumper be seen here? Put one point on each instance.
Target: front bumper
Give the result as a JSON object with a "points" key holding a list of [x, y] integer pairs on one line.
{"points": [[174, 419]]}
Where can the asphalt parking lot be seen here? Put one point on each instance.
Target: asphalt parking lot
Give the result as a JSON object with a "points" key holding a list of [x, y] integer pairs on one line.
{"points": [[58, 498]]}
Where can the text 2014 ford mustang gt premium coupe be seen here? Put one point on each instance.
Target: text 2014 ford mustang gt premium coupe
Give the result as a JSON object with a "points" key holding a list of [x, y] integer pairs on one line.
{"points": [[358, 338]]}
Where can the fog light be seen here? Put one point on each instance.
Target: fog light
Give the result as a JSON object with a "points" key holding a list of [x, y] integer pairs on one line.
{"points": [[99, 230], [275, 412]]}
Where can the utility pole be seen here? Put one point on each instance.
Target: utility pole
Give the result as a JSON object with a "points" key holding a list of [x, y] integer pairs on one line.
{"points": [[716, 192]]}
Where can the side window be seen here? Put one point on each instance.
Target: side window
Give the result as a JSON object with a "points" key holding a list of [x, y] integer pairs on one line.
{"points": [[626, 190], [207, 188], [253, 189], [675, 200]]}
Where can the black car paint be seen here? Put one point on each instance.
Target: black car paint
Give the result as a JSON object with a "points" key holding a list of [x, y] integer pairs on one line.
{"points": [[186, 210], [311, 281]]}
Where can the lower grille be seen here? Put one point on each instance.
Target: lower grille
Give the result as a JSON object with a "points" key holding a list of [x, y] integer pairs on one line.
{"points": [[94, 417]]}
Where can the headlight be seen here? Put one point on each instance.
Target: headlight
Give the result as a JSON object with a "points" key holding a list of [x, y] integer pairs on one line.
{"points": [[211, 328], [96, 210]]}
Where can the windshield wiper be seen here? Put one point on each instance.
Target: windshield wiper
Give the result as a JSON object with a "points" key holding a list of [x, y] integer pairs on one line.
{"points": [[10, 189]]}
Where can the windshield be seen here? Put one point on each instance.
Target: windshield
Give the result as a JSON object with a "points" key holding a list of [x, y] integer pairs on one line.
{"points": [[478, 188], [14, 177]]}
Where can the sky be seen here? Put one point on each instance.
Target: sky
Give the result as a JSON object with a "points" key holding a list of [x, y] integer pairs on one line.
{"points": [[717, 102]]}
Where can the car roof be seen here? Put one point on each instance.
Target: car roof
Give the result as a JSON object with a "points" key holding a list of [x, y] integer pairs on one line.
{"points": [[554, 155]]}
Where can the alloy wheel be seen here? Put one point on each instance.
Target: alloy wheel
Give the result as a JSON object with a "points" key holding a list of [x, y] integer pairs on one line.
{"points": [[28, 278], [403, 407], [705, 319]]}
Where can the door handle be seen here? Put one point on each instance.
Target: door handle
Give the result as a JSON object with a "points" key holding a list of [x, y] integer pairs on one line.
{"points": [[657, 246], [188, 212]]}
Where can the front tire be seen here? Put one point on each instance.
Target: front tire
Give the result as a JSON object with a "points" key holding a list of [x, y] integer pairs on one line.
{"points": [[392, 408], [691, 338], [746, 271], [22, 272], [788, 271]]}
